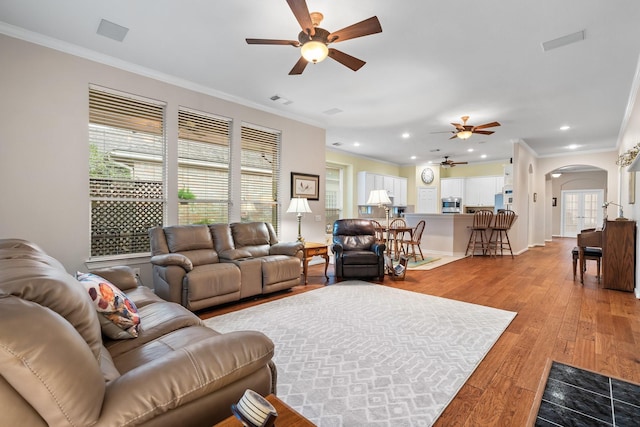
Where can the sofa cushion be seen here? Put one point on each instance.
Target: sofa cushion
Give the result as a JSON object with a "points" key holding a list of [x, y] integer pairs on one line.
{"points": [[156, 320], [188, 237], [206, 281], [37, 280], [253, 237], [279, 268], [356, 257], [49, 364], [119, 318]]}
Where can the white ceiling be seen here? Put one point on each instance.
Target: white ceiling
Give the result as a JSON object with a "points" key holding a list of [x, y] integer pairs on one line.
{"points": [[434, 62]]}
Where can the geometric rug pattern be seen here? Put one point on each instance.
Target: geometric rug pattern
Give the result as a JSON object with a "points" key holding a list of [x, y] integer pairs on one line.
{"points": [[361, 354]]}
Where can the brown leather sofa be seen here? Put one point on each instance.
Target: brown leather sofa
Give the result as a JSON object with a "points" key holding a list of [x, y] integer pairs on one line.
{"points": [[56, 368], [356, 249], [201, 266]]}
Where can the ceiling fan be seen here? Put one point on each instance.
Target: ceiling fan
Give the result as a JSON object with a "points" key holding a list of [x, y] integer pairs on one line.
{"points": [[314, 40], [464, 131], [450, 163]]}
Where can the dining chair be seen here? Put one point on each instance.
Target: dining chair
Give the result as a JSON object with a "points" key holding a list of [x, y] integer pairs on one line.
{"points": [[499, 237], [397, 230], [481, 222], [414, 241], [379, 231]]}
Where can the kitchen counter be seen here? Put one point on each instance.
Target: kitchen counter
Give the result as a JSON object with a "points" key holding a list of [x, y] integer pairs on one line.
{"points": [[446, 234]]}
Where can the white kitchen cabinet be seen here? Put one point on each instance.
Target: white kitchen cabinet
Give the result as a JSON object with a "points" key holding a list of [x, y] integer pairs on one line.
{"points": [[396, 187], [481, 190], [452, 187], [400, 191]]}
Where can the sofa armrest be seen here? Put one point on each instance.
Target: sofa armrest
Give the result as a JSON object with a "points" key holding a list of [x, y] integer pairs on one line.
{"points": [[184, 376], [234, 254], [121, 275], [286, 248], [337, 248], [165, 260]]}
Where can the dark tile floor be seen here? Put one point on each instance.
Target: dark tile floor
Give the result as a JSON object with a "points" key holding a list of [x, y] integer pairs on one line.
{"points": [[575, 397]]}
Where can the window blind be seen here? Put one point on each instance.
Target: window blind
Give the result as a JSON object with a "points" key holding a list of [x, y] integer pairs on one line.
{"points": [[260, 170], [126, 171], [203, 167]]}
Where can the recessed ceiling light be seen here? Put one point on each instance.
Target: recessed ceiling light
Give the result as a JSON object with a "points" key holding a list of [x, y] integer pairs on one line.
{"points": [[565, 127], [356, 144], [470, 150], [414, 157], [406, 135], [484, 156], [573, 146]]}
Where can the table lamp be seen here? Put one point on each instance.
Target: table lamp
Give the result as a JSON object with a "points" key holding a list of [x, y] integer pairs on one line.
{"points": [[299, 205], [381, 199], [620, 213]]}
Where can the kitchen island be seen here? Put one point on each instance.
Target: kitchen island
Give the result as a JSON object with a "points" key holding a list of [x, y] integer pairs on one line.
{"points": [[445, 234]]}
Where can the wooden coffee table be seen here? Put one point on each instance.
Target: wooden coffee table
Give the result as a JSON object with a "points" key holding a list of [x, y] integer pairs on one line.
{"points": [[314, 249], [287, 416]]}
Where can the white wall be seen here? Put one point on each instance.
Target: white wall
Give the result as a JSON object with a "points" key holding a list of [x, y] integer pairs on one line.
{"points": [[44, 150]]}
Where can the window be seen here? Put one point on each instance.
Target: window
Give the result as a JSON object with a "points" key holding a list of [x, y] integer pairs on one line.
{"points": [[126, 170], [333, 196], [260, 170], [203, 167]]}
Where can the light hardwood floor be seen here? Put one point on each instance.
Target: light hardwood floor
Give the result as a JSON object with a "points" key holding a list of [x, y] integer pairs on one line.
{"points": [[559, 319]]}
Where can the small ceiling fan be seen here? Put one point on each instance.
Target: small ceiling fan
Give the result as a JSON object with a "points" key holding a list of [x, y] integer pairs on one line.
{"points": [[464, 131], [314, 40], [447, 163]]}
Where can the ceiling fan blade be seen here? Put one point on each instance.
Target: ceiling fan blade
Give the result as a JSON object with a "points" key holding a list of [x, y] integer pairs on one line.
{"points": [[293, 43], [459, 163], [484, 132], [362, 28], [455, 135], [301, 12], [458, 126], [487, 125], [347, 60], [299, 67]]}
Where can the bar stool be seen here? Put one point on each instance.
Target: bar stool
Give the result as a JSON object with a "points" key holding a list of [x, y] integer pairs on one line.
{"points": [[503, 221], [481, 223]]}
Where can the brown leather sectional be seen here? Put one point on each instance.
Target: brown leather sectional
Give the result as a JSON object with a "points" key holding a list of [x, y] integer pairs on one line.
{"points": [[201, 266], [57, 369]]}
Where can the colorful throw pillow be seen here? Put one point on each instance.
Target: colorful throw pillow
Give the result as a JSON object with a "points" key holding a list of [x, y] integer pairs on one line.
{"points": [[119, 318]]}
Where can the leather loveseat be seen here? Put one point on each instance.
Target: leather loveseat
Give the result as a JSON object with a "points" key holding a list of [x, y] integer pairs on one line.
{"points": [[201, 266], [57, 369]]}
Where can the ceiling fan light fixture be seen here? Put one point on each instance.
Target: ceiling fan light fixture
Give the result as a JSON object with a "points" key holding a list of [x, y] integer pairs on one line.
{"points": [[314, 51], [464, 134]]}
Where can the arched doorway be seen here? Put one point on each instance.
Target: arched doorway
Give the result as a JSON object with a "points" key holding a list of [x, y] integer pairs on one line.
{"points": [[577, 195]]}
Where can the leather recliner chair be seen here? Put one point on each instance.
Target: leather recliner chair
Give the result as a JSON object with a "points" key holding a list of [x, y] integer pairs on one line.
{"points": [[357, 252]]}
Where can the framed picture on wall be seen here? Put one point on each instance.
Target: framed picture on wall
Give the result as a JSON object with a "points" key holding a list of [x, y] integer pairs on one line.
{"points": [[305, 185], [554, 201]]}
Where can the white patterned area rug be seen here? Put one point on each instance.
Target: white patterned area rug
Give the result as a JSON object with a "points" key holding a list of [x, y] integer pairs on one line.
{"points": [[360, 354]]}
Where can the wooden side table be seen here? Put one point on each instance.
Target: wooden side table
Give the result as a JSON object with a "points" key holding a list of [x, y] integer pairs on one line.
{"points": [[287, 416], [314, 249]]}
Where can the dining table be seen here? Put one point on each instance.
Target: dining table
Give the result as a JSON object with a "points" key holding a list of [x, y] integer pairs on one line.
{"points": [[394, 237]]}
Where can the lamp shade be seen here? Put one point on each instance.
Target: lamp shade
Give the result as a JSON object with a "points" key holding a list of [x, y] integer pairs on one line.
{"points": [[379, 197], [314, 51], [299, 205], [464, 134]]}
